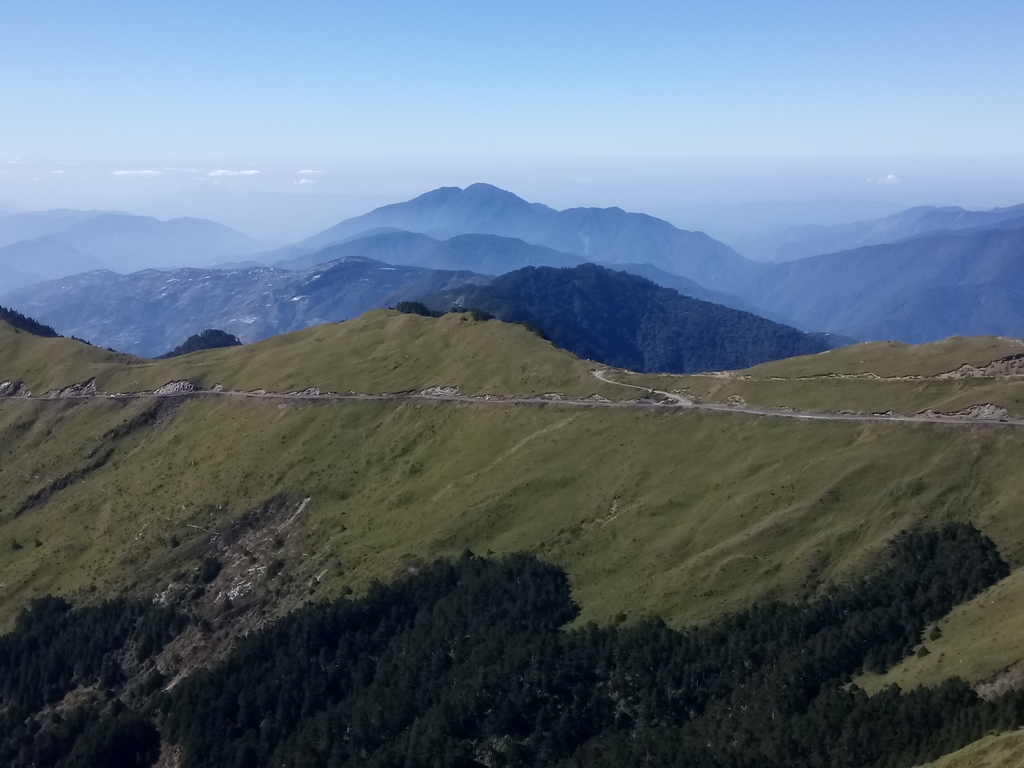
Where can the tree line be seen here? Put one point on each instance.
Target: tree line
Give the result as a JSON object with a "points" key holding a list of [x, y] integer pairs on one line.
{"points": [[473, 663]]}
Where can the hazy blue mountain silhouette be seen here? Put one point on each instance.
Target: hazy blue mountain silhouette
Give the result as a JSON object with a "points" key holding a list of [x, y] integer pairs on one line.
{"points": [[802, 242], [486, 254], [606, 235], [48, 259], [493, 255], [12, 279], [916, 290], [130, 243], [31, 224]]}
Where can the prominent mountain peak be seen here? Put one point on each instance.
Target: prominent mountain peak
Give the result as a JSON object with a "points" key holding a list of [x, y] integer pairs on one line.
{"points": [[481, 190], [608, 235]]}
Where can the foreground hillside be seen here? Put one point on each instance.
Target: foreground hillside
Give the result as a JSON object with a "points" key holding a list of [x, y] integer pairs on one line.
{"points": [[953, 376], [471, 663], [236, 511], [640, 505], [382, 351]]}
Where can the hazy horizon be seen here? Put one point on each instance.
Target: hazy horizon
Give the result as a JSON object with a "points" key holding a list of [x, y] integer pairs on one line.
{"points": [[310, 114], [280, 203]]}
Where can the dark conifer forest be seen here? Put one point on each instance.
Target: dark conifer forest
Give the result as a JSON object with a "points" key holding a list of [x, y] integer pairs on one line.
{"points": [[627, 321], [23, 323], [211, 338], [477, 662]]}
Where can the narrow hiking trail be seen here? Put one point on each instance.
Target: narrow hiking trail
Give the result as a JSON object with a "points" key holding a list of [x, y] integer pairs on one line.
{"points": [[651, 399]]}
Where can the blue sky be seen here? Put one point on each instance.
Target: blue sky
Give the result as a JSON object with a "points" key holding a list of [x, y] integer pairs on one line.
{"points": [[322, 85]]}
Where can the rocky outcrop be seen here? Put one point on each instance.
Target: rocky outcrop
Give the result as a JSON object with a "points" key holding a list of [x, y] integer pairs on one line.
{"points": [[87, 389], [13, 389], [176, 388]]}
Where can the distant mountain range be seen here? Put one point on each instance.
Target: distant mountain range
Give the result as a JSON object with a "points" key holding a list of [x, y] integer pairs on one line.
{"points": [[486, 254], [150, 312], [11, 279], [605, 235], [53, 244], [604, 314], [803, 242], [490, 255], [916, 290], [917, 275], [629, 322]]}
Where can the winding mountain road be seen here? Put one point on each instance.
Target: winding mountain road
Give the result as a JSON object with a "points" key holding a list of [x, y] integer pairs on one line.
{"points": [[651, 399]]}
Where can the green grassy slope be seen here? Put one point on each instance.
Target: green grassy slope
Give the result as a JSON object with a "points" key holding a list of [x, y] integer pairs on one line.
{"points": [[893, 358], [983, 638], [381, 351], [866, 378], [979, 639], [1005, 750], [684, 514]]}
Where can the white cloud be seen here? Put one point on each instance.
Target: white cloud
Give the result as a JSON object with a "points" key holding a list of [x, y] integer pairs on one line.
{"points": [[301, 182], [309, 172], [58, 173], [15, 161], [137, 173], [234, 173], [890, 180], [182, 170]]}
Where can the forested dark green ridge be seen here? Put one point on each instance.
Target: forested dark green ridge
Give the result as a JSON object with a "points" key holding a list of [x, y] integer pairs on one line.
{"points": [[468, 663], [27, 324], [627, 321], [52, 651], [211, 338]]}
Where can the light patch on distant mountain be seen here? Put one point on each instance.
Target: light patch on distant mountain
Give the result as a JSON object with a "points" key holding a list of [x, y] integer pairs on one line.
{"points": [[150, 312]]}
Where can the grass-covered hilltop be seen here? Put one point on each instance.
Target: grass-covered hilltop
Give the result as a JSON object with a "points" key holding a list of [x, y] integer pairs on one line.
{"points": [[419, 541]]}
